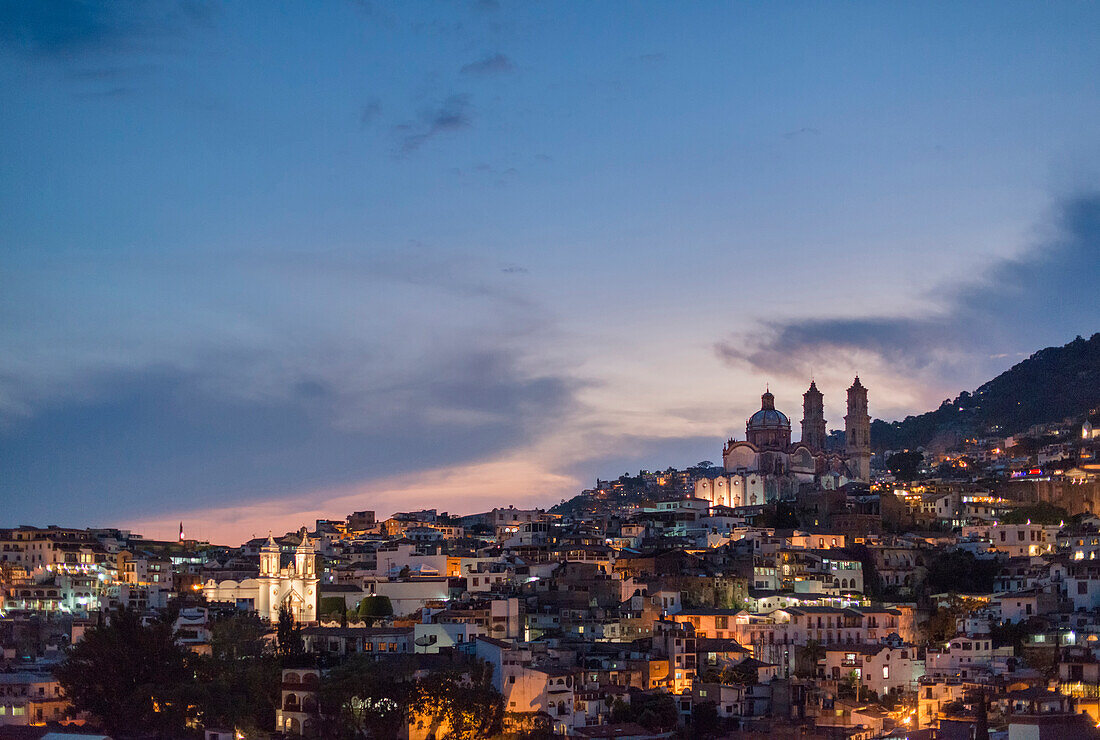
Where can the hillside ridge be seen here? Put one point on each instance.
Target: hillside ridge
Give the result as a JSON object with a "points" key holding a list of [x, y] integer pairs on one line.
{"points": [[1052, 384]]}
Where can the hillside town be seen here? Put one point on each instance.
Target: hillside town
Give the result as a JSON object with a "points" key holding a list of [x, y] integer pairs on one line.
{"points": [[811, 590]]}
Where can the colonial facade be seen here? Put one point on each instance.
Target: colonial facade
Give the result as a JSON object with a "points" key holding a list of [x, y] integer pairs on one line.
{"points": [[294, 585], [767, 466]]}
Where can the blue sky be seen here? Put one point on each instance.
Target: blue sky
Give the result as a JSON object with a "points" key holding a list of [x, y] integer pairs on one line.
{"points": [[262, 262]]}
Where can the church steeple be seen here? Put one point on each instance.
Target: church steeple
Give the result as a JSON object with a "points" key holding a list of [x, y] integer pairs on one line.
{"points": [[813, 418], [303, 556], [857, 432], [269, 558]]}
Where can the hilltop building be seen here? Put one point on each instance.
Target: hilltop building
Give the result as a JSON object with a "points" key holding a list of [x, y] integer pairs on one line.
{"points": [[767, 466]]}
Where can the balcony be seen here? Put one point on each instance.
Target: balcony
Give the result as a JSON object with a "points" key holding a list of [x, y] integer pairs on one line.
{"points": [[299, 686]]}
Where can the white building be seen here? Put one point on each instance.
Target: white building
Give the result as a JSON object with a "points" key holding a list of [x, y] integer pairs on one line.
{"points": [[731, 489], [968, 657], [297, 712], [410, 595], [880, 668], [295, 586], [528, 688], [1018, 540], [30, 698], [1019, 606]]}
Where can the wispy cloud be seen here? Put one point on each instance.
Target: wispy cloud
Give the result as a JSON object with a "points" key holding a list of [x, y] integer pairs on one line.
{"points": [[372, 109], [491, 65], [383, 366], [452, 114], [63, 26], [1045, 297], [68, 29], [800, 132], [138, 440]]}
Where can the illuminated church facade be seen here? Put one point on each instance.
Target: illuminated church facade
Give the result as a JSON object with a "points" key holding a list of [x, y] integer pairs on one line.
{"points": [[767, 466], [294, 584]]}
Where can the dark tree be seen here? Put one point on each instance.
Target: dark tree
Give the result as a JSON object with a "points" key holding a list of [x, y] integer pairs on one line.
{"points": [[778, 516], [288, 635], [808, 656], [469, 710], [129, 676], [962, 572], [363, 697], [905, 465], [238, 636], [372, 608], [1011, 633], [742, 674], [1042, 512], [981, 724], [239, 681], [656, 711], [705, 722], [332, 607], [942, 624]]}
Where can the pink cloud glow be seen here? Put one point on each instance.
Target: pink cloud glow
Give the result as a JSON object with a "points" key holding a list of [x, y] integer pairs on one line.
{"points": [[464, 490]]}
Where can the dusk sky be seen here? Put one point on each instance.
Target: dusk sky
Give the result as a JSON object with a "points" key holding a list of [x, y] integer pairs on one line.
{"points": [[262, 263]]}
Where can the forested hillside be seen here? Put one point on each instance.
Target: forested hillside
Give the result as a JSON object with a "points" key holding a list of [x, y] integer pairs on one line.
{"points": [[1052, 384]]}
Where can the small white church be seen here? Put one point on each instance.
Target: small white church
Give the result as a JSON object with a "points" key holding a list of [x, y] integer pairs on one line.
{"points": [[295, 586]]}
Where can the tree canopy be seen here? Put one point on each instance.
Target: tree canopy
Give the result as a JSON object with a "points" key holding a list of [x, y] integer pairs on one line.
{"points": [[288, 634], [240, 679], [654, 711], [905, 465], [375, 607], [129, 675], [1042, 512], [960, 571], [366, 698]]}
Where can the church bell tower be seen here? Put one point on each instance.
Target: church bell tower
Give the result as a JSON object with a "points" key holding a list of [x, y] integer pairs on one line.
{"points": [[857, 433], [813, 418]]}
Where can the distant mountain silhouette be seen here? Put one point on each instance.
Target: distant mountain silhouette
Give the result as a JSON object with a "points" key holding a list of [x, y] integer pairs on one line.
{"points": [[1053, 384]]}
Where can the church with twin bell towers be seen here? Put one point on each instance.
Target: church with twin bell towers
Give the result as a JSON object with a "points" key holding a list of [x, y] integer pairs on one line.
{"points": [[767, 465]]}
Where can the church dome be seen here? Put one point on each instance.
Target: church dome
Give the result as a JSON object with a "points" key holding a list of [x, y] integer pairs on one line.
{"points": [[768, 417]]}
